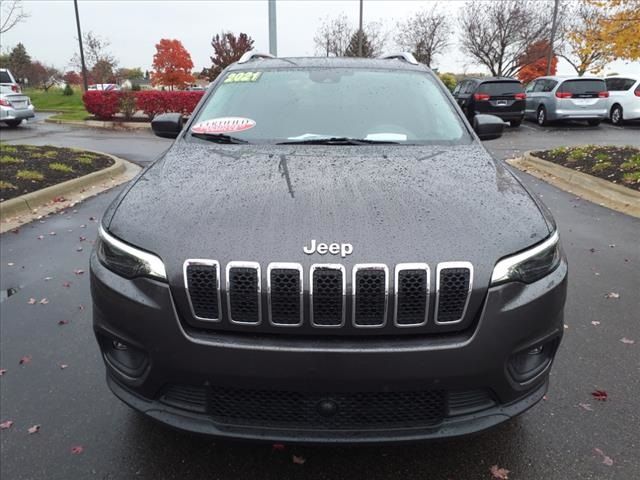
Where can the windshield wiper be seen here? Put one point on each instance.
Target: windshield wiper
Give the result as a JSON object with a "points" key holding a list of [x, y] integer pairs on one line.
{"points": [[337, 141], [218, 137]]}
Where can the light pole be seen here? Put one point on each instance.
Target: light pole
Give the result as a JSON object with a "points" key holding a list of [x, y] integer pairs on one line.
{"points": [[554, 25], [360, 32], [84, 68], [273, 32]]}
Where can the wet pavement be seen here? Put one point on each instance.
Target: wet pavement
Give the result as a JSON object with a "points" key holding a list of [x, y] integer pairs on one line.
{"points": [[74, 408]]}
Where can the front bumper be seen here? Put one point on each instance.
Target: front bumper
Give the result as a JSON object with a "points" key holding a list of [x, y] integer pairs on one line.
{"points": [[10, 113], [141, 314]]}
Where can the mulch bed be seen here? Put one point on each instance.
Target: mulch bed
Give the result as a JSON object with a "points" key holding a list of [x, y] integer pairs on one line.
{"points": [[27, 168], [617, 164]]}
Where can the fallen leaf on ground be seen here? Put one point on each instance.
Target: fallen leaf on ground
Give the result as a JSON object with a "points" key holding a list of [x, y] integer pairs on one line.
{"points": [[499, 473], [606, 459], [80, 307], [40, 237], [277, 446], [11, 264], [6, 424], [82, 239], [32, 301], [627, 341], [77, 450], [592, 250], [46, 279], [52, 233], [612, 245], [78, 249], [44, 301], [3, 371], [63, 322], [83, 226], [612, 295], [66, 284], [586, 406], [79, 271], [298, 460], [63, 366], [34, 429], [25, 359], [595, 322], [600, 395]]}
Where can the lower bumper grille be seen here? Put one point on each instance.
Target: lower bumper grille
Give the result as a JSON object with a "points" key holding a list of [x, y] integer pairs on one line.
{"points": [[292, 409]]}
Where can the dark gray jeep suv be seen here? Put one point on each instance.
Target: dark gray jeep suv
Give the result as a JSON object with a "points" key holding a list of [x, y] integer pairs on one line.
{"points": [[327, 253]]}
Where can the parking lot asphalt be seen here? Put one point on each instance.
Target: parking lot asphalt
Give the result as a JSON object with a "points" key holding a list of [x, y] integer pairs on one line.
{"points": [[47, 261]]}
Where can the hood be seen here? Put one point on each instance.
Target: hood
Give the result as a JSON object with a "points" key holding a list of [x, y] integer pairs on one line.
{"points": [[393, 204]]}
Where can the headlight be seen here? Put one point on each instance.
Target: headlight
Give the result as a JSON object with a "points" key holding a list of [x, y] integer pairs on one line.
{"points": [[530, 265], [126, 260]]}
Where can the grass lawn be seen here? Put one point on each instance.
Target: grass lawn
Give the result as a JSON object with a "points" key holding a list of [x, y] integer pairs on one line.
{"points": [[616, 164], [27, 168], [71, 106]]}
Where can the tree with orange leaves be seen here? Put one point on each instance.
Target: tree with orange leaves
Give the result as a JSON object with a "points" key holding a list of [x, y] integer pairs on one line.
{"points": [[533, 63], [619, 26], [172, 65]]}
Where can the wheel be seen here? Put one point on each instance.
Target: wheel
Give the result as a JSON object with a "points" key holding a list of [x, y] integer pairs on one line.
{"points": [[594, 123], [515, 123], [541, 116], [616, 115], [13, 123]]}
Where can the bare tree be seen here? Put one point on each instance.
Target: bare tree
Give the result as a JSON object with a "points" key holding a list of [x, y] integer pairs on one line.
{"points": [[497, 34], [583, 47], [12, 14], [96, 51], [426, 34], [335, 34]]}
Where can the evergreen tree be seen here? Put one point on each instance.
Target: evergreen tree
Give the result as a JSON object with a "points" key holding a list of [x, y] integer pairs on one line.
{"points": [[353, 47], [19, 62]]}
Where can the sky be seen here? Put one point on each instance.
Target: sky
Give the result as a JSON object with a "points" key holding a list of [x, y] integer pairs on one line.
{"points": [[133, 27]]}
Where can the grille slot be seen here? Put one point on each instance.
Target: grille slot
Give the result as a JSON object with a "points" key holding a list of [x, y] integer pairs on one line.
{"points": [[186, 397], [203, 288], [362, 410], [243, 292], [454, 283], [370, 291], [412, 288], [285, 294], [327, 293]]}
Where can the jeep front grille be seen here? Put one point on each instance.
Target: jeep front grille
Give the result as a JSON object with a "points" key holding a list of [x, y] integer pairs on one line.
{"points": [[374, 299]]}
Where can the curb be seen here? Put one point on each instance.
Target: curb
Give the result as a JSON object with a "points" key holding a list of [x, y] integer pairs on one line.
{"points": [[108, 124], [596, 190], [31, 201]]}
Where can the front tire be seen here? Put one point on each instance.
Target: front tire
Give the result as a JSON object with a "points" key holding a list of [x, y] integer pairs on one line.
{"points": [[13, 123], [616, 115], [541, 116], [594, 123]]}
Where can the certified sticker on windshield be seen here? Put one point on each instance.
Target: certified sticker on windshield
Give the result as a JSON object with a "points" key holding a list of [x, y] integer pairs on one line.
{"points": [[223, 125], [242, 77]]}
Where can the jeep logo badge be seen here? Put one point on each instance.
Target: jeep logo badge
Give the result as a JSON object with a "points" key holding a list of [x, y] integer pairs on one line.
{"points": [[343, 249]]}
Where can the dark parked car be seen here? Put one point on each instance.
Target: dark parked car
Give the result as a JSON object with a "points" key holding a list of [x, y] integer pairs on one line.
{"points": [[500, 96], [327, 253]]}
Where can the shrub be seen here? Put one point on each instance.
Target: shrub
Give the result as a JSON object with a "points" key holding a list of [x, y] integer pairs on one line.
{"points": [[7, 185], [29, 175], [7, 160], [60, 167], [155, 102], [103, 104], [84, 159], [127, 104], [68, 91]]}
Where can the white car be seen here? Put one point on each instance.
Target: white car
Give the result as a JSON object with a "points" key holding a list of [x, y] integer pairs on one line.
{"points": [[624, 98], [14, 106]]}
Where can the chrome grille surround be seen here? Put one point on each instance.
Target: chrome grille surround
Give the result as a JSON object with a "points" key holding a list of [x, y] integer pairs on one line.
{"points": [[354, 293], [285, 266], [203, 262], [452, 265], [251, 266], [335, 267], [404, 267]]}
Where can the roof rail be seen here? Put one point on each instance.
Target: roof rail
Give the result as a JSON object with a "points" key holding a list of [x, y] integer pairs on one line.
{"points": [[406, 56], [251, 54]]}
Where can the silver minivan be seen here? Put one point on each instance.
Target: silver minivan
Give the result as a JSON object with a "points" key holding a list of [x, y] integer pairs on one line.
{"points": [[567, 98]]}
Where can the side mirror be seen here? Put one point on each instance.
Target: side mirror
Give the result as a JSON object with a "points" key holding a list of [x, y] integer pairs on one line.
{"points": [[488, 127], [167, 125]]}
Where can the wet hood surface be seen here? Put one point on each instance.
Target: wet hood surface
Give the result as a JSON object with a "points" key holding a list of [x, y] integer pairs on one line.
{"points": [[394, 204]]}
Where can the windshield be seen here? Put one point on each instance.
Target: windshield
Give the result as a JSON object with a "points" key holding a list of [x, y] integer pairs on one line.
{"points": [[305, 104]]}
